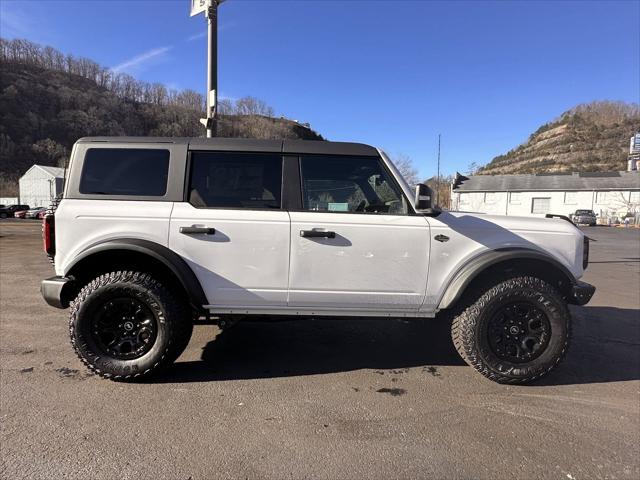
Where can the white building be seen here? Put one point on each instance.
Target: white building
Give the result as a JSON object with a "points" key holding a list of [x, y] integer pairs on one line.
{"points": [[40, 184], [611, 195]]}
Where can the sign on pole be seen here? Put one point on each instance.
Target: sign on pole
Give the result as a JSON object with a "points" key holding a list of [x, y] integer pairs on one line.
{"points": [[198, 6]]}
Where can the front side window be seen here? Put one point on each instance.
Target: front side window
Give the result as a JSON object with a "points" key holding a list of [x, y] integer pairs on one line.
{"points": [[125, 171], [235, 180], [349, 184]]}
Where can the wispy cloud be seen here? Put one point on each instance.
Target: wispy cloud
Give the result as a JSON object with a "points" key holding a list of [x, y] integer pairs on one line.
{"points": [[197, 36], [16, 21], [135, 63], [221, 28]]}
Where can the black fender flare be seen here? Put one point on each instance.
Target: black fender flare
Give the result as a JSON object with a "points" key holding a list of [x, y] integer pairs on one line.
{"points": [[171, 260], [474, 267]]}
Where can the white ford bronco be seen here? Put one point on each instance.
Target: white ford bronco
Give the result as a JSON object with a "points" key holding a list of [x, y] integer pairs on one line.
{"points": [[152, 234]]}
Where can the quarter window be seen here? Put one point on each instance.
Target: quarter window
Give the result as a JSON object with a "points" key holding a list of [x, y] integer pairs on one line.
{"points": [[349, 184], [235, 180], [125, 171]]}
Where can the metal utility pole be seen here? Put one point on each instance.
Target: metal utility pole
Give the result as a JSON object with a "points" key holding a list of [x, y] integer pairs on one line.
{"points": [[212, 67], [210, 8], [438, 176]]}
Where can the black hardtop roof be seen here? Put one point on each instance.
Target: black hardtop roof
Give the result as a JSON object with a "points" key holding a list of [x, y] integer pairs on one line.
{"points": [[248, 145]]}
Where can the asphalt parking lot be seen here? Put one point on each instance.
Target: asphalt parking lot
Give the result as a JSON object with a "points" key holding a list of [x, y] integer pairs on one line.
{"points": [[320, 399]]}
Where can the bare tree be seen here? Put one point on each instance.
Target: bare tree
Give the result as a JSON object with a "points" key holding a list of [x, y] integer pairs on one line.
{"points": [[124, 85], [407, 168], [441, 190], [253, 106], [473, 168], [225, 107]]}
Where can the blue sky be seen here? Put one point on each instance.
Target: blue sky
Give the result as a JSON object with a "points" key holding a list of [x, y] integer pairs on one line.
{"points": [[390, 73]]}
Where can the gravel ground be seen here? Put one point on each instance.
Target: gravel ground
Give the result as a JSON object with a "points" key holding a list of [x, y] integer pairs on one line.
{"points": [[320, 399]]}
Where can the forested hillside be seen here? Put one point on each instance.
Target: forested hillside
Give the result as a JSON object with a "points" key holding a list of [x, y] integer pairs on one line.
{"points": [[48, 100], [589, 137]]}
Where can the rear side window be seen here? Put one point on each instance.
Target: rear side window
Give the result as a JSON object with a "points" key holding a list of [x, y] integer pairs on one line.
{"points": [[235, 180], [125, 171]]}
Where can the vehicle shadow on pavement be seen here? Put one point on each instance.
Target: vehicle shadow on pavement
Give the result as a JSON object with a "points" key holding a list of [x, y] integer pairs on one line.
{"points": [[266, 349], [605, 348]]}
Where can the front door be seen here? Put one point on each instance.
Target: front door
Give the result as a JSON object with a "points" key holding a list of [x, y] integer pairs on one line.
{"points": [[232, 231], [354, 245]]}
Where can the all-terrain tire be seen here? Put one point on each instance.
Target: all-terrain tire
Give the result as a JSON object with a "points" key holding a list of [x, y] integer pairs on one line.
{"points": [[173, 324], [470, 330]]}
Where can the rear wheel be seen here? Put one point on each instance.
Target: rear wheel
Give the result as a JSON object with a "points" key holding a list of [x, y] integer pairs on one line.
{"points": [[125, 325], [515, 332]]}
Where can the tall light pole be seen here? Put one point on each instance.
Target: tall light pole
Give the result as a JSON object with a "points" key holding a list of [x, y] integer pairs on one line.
{"points": [[438, 176], [210, 8]]}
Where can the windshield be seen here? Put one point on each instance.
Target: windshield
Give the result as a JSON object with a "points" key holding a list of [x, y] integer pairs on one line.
{"points": [[584, 212]]}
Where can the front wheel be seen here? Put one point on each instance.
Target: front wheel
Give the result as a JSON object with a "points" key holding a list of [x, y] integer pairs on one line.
{"points": [[516, 332], [126, 325]]}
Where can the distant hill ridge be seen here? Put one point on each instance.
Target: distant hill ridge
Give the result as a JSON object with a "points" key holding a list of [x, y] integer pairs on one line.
{"points": [[591, 137], [48, 100]]}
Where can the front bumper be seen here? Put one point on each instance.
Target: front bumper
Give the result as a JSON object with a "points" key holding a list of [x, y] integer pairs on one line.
{"points": [[581, 293], [55, 291]]}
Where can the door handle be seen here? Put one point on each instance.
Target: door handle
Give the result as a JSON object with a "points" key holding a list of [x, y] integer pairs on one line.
{"points": [[317, 234], [197, 230]]}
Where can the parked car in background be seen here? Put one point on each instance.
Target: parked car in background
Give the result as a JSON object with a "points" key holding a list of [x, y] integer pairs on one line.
{"points": [[42, 214], [35, 212], [584, 217], [20, 214], [9, 211]]}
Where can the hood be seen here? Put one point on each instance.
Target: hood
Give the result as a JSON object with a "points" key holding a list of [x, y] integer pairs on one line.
{"points": [[540, 224], [478, 232]]}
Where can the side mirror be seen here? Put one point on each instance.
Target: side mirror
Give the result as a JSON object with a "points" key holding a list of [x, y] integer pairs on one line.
{"points": [[423, 197]]}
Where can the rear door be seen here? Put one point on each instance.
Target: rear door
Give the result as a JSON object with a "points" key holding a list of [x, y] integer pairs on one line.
{"points": [[232, 230], [354, 243]]}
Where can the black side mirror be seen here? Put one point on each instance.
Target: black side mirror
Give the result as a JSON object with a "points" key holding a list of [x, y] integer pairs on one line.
{"points": [[423, 197]]}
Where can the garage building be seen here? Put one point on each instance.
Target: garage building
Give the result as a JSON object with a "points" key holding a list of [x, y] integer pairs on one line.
{"points": [[40, 184], [611, 195]]}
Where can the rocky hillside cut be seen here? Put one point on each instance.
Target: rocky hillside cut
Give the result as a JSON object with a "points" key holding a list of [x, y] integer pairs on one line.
{"points": [[591, 137]]}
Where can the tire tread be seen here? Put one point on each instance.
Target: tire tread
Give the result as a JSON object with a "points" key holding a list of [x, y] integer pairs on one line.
{"points": [[464, 326]]}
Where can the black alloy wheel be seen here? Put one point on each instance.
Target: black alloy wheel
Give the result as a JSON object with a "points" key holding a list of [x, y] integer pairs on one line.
{"points": [[124, 328], [518, 332]]}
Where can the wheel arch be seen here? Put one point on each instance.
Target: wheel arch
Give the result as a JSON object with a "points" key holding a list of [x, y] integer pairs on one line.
{"points": [[505, 263], [133, 253]]}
